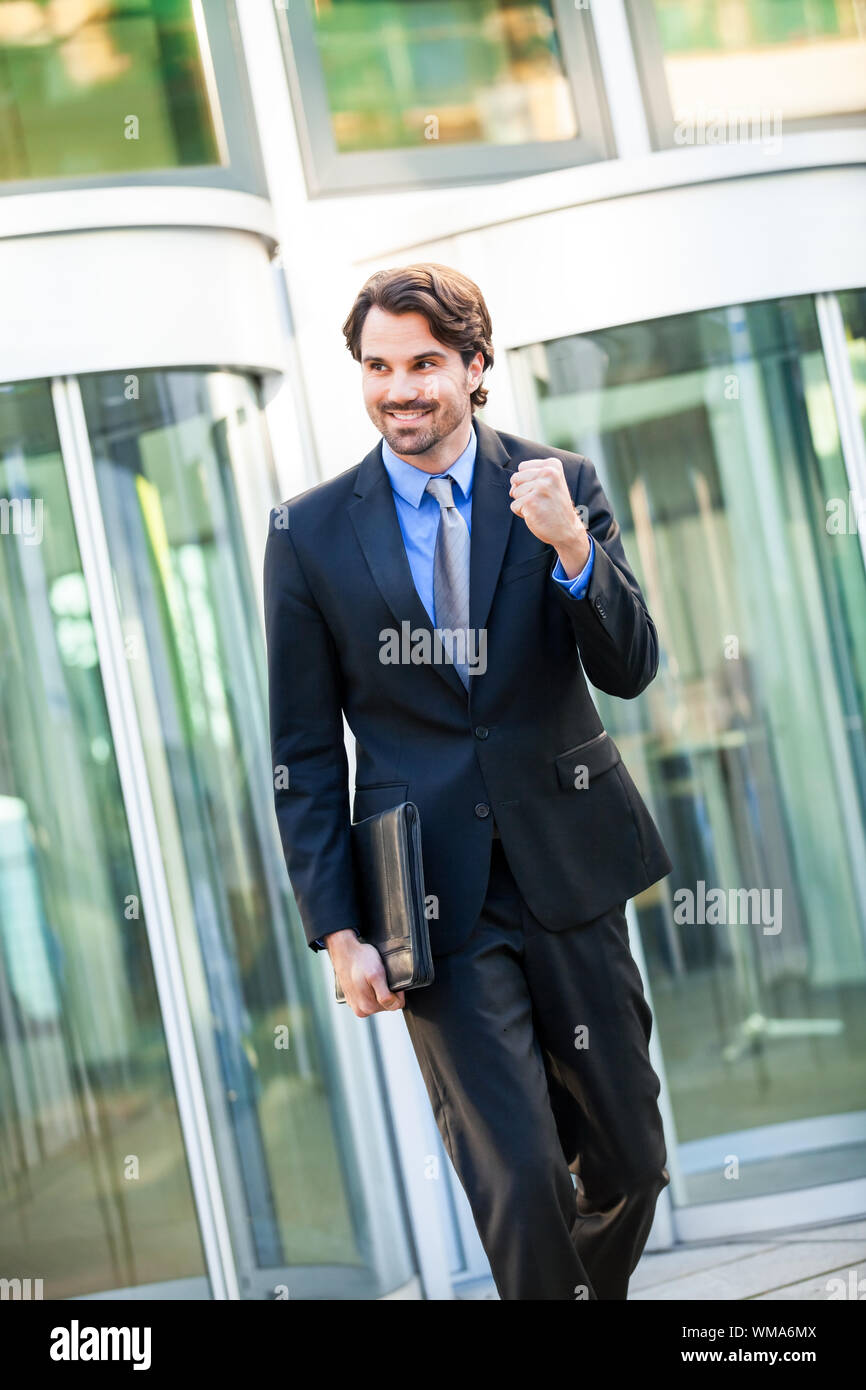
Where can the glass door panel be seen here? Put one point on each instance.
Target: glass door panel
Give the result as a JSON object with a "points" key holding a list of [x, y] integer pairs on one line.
{"points": [[94, 1188], [853, 306], [716, 441], [173, 452]]}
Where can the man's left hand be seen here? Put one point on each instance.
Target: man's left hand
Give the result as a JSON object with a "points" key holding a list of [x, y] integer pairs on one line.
{"points": [[541, 497]]}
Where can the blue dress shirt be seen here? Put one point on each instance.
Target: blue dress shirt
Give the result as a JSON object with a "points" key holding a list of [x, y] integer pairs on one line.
{"points": [[418, 515]]}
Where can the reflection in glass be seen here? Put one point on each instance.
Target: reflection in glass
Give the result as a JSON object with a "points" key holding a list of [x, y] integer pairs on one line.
{"points": [[96, 88], [94, 1188], [799, 58], [399, 73], [170, 463], [717, 444], [853, 306]]}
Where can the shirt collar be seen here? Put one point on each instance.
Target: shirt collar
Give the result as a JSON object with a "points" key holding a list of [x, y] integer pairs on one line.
{"points": [[410, 482]]}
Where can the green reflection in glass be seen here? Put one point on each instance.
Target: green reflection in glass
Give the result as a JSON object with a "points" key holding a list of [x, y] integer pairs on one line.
{"points": [[101, 88], [401, 73], [94, 1188], [166, 457], [800, 58], [853, 306], [717, 444]]}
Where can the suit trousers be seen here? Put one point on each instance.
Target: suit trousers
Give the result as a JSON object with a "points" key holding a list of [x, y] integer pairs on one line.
{"points": [[533, 1045]]}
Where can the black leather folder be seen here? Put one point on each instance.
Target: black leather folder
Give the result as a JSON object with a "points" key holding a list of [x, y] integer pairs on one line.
{"points": [[389, 876]]}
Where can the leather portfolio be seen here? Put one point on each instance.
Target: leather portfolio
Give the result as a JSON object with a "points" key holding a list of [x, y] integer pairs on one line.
{"points": [[389, 877]]}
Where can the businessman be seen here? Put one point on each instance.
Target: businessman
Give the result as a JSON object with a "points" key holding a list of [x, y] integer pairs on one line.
{"points": [[452, 594]]}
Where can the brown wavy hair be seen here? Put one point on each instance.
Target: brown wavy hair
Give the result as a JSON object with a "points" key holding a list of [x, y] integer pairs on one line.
{"points": [[452, 304]]}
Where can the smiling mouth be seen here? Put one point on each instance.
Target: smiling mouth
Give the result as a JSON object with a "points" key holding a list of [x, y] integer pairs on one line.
{"points": [[407, 417]]}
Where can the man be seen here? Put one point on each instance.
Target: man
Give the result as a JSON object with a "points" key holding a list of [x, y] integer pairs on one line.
{"points": [[532, 1038]]}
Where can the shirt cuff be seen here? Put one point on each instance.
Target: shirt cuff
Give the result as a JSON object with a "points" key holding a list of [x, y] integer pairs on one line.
{"points": [[320, 940], [578, 586]]}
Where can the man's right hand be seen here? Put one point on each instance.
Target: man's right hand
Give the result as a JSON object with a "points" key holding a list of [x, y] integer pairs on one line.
{"points": [[359, 968]]}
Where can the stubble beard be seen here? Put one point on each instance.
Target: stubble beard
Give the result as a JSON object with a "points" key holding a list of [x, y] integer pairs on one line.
{"points": [[425, 435]]}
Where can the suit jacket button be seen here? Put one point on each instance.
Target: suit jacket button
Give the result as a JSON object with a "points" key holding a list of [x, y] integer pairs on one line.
{"points": [[481, 731], [481, 810]]}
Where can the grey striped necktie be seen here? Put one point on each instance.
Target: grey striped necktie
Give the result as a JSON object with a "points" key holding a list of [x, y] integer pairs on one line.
{"points": [[451, 571]]}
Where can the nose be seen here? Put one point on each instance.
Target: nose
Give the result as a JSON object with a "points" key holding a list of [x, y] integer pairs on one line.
{"points": [[403, 391]]}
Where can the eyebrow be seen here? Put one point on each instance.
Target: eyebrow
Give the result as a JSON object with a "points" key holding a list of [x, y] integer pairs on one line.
{"points": [[435, 352]]}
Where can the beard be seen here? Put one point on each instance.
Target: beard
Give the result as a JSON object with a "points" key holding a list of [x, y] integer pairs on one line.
{"points": [[420, 435]]}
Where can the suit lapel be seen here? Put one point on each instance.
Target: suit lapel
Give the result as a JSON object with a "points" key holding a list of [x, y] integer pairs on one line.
{"points": [[491, 522], [374, 517]]}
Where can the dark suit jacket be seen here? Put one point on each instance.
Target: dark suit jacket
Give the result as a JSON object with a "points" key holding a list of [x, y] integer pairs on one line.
{"points": [[336, 576]]}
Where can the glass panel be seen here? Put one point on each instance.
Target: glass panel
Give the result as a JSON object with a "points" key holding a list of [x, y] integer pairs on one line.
{"points": [[717, 444], [94, 1189], [404, 73], [797, 58], [91, 88], [853, 305], [170, 449]]}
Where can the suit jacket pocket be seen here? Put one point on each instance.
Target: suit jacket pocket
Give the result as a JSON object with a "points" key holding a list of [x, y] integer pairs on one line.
{"points": [[598, 755], [378, 796]]}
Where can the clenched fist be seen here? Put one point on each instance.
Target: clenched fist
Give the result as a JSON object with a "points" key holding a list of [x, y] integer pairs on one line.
{"points": [[541, 497]]}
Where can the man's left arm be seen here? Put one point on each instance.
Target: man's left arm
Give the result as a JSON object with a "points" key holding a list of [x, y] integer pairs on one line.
{"points": [[615, 635]]}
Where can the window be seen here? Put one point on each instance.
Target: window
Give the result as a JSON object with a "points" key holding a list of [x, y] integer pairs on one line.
{"points": [[409, 91], [718, 70], [120, 91]]}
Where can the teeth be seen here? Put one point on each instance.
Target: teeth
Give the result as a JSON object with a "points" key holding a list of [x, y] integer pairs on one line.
{"points": [[407, 414]]}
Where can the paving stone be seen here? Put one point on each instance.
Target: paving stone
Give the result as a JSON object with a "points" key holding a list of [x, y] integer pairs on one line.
{"points": [[665, 1265], [762, 1272], [815, 1290]]}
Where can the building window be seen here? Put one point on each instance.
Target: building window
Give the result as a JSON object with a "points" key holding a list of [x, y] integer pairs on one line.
{"points": [[123, 91], [396, 91], [474, 72], [716, 439], [719, 70]]}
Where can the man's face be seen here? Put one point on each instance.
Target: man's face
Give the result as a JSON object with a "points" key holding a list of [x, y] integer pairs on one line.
{"points": [[416, 389]]}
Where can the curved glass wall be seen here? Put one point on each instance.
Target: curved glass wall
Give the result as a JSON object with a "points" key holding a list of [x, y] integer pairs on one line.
{"points": [[94, 1188], [95, 1194], [717, 443], [176, 453]]}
